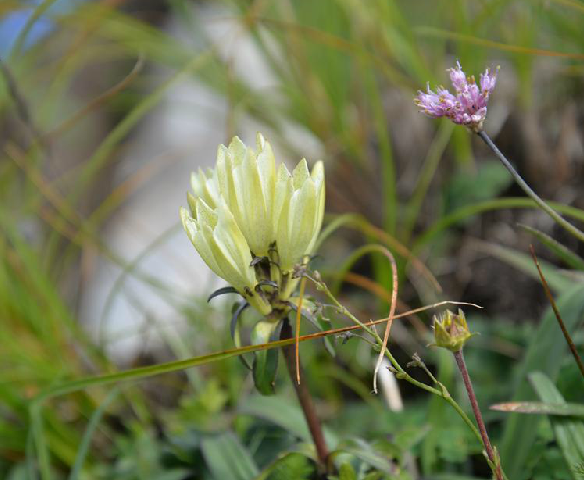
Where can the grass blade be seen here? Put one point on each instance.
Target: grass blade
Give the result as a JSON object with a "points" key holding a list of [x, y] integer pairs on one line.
{"points": [[562, 252], [544, 354], [542, 408], [569, 432], [88, 435]]}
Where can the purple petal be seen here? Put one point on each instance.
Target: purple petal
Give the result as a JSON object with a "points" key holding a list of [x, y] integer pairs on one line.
{"points": [[458, 77]]}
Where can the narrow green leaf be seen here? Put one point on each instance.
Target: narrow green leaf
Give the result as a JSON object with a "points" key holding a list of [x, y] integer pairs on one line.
{"points": [[562, 252], [271, 408], [40, 442], [544, 354], [498, 204], [88, 435], [149, 371], [555, 278], [569, 431], [265, 362], [365, 452], [541, 408]]}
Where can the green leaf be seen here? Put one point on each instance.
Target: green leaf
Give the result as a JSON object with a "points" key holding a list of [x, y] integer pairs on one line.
{"points": [[347, 472], [569, 432], [498, 204], [544, 354], [541, 408], [556, 279], [265, 363], [365, 452], [227, 458], [291, 466], [562, 252], [286, 415], [88, 435]]}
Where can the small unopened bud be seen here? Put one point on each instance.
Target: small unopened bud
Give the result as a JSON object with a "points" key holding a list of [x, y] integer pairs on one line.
{"points": [[450, 330]]}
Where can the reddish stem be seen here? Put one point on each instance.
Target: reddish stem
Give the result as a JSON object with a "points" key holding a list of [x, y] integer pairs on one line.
{"points": [[305, 399], [477, 413]]}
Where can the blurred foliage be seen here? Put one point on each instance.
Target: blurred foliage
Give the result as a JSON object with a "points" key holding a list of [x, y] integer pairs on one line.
{"points": [[338, 67]]}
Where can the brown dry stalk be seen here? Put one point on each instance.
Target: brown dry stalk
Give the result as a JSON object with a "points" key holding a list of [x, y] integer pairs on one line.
{"points": [[550, 297]]}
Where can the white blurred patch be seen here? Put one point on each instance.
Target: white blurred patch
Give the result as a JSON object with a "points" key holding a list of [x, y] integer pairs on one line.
{"points": [[179, 136], [390, 388]]}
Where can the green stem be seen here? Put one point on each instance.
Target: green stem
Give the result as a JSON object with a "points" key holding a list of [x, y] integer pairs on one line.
{"points": [[527, 189], [401, 374]]}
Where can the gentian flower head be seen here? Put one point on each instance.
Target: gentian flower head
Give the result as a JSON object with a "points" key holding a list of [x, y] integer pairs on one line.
{"points": [[468, 106], [253, 223]]}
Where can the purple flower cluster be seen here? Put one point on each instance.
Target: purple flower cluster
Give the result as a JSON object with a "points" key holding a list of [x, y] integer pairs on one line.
{"points": [[468, 107]]}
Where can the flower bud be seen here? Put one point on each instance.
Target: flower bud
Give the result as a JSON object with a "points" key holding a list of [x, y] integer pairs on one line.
{"points": [[450, 330]]}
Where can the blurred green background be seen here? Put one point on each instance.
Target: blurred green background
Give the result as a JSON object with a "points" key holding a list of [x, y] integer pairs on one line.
{"points": [[105, 108]]}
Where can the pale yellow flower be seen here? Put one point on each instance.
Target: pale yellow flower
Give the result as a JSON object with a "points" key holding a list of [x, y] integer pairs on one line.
{"points": [[252, 224]]}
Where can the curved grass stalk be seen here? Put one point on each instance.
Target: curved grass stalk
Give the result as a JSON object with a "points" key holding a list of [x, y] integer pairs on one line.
{"points": [[359, 223], [152, 370]]}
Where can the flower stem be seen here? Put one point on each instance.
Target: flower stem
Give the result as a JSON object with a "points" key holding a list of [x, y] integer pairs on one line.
{"points": [[478, 415], [527, 189], [305, 400]]}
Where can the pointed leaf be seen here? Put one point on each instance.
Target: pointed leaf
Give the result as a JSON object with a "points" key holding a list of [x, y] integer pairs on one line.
{"points": [[544, 354], [556, 279], [564, 253], [541, 408], [569, 432], [265, 363]]}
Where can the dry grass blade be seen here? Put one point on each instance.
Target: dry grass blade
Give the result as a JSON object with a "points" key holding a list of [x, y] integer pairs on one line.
{"points": [[378, 290], [415, 262], [483, 42], [152, 370], [96, 102], [390, 317], [297, 336], [21, 105]]}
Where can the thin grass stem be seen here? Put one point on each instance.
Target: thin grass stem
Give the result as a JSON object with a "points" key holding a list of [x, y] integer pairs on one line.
{"points": [[528, 190]]}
